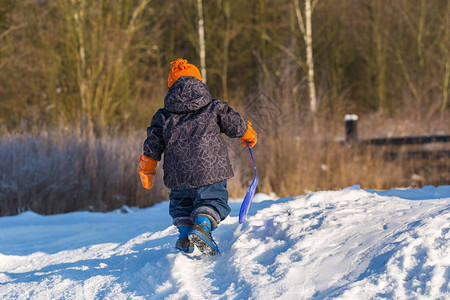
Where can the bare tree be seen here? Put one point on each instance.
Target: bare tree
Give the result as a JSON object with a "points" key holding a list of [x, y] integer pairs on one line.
{"points": [[226, 46], [380, 54], [100, 59], [306, 30], [446, 46], [201, 39], [309, 56]]}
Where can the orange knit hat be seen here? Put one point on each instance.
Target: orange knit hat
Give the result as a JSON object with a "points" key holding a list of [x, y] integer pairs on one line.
{"points": [[180, 67]]}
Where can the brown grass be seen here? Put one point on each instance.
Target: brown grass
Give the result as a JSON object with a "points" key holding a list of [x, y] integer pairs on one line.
{"points": [[57, 171], [292, 160]]}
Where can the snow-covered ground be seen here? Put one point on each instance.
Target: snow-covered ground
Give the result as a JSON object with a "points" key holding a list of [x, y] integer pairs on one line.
{"points": [[347, 244]]}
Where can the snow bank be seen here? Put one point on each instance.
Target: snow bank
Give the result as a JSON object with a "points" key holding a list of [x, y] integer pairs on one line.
{"points": [[348, 244]]}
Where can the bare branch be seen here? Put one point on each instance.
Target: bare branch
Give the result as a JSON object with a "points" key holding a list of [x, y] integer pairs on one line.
{"points": [[137, 11], [298, 14], [406, 73], [11, 29], [288, 52], [314, 3]]}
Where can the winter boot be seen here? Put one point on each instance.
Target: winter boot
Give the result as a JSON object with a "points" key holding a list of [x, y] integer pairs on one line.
{"points": [[183, 243], [200, 235]]}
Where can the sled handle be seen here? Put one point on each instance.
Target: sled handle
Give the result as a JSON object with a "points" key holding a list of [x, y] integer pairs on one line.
{"points": [[251, 154]]}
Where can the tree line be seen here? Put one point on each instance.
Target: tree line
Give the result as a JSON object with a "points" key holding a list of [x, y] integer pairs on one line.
{"points": [[105, 63]]}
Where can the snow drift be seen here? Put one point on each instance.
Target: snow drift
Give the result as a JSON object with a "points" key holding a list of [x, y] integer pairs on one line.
{"points": [[347, 244]]}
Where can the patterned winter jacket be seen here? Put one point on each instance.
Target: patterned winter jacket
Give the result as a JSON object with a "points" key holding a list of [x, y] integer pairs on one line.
{"points": [[188, 130]]}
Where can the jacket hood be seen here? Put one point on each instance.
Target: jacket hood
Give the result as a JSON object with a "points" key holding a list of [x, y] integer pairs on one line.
{"points": [[187, 95]]}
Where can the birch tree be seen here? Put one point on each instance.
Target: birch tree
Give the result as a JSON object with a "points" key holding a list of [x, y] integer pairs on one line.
{"points": [[446, 46], [201, 39], [305, 27]]}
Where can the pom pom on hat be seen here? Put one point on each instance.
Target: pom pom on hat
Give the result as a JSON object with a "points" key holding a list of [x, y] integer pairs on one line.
{"points": [[181, 67]]}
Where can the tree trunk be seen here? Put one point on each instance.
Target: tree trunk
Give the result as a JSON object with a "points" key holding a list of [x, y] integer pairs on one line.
{"points": [[226, 46], [78, 15], [306, 30], [309, 57], [201, 40], [380, 67], [445, 84], [262, 13]]}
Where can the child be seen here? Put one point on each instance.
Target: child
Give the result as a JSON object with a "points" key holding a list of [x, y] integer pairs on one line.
{"points": [[196, 164]]}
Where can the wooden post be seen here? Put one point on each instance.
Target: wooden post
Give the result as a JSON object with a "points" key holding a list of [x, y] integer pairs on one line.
{"points": [[351, 129]]}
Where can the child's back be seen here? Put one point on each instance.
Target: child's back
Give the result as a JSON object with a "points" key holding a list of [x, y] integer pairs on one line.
{"points": [[196, 164], [188, 129]]}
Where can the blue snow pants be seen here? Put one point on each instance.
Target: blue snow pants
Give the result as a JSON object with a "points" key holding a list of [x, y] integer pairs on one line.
{"points": [[211, 200]]}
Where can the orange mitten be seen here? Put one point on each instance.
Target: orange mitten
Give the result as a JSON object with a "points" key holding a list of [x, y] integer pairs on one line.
{"points": [[250, 136], [147, 171]]}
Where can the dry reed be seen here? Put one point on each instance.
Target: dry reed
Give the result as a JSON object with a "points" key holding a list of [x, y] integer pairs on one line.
{"points": [[57, 171]]}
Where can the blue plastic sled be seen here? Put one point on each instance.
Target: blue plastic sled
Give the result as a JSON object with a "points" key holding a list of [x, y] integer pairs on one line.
{"points": [[245, 206]]}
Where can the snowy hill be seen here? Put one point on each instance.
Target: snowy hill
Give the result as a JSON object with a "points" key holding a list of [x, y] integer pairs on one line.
{"points": [[347, 244]]}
